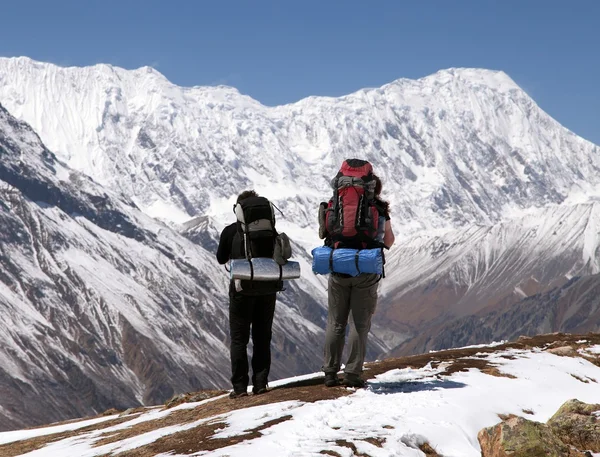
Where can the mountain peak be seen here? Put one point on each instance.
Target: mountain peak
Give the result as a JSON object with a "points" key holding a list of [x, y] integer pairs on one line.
{"points": [[493, 78], [471, 77], [27, 64]]}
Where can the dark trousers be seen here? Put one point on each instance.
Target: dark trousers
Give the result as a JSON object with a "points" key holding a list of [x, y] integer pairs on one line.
{"points": [[245, 312]]}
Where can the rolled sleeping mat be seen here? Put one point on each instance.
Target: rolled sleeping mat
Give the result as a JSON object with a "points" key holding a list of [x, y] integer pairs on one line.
{"points": [[348, 261], [263, 269]]}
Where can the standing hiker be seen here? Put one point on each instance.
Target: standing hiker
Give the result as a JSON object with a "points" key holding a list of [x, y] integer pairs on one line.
{"points": [[356, 218], [251, 303]]}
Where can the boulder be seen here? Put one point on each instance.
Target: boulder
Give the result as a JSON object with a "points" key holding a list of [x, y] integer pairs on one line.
{"points": [[519, 437], [576, 424]]}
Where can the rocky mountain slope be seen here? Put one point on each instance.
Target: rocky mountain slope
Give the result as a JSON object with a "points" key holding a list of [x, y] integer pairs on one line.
{"points": [[102, 306], [573, 307], [482, 269]]}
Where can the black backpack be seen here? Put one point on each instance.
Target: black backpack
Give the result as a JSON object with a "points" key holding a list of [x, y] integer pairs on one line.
{"points": [[255, 237]]}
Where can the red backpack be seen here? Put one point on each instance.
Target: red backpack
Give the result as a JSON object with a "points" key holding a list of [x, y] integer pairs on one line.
{"points": [[351, 218]]}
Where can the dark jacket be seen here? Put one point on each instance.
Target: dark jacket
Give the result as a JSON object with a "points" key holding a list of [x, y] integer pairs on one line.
{"points": [[226, 243]]}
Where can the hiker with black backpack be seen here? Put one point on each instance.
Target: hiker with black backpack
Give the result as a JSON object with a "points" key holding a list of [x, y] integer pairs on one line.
{"points": [[252, 302], [355, 224]]}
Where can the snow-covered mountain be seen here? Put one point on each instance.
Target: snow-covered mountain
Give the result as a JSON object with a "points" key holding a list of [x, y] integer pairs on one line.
{"points": [[480, 269], [572, 308], [458, 147], [432, 405], [482, 184], [104, 306]]}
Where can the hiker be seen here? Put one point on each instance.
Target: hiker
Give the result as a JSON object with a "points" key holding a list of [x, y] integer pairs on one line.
{"points": [[359, 190], [251, 303]]}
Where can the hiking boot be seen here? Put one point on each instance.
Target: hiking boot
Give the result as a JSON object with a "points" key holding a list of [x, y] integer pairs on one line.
{"points": [[258, 390], [238, 394], [353, 380], [331, 380]]}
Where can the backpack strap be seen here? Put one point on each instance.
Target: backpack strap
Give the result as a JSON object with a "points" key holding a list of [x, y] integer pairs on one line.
{"points": [[331, 261], [335, 207], [251, 271], [243, 228], [356, 257]]}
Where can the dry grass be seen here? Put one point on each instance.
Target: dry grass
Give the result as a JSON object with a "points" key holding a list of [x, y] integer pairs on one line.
{"points": [[192, 397], [464, 359], [348, 444], [580, 379], [226, 405], [493, 371], [198, 439], [25, 446], [375, 441], [428, 450]]}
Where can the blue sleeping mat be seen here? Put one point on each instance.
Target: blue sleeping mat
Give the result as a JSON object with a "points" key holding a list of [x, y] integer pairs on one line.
{"points": [[348, 261]]}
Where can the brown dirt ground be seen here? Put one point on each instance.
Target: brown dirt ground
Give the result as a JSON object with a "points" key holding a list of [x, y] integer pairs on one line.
{"points": [[311, 390]]}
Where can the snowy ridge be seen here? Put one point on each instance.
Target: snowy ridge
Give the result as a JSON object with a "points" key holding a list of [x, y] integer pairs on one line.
{"points": [[457, 147], [543, 238], [401, 410]]}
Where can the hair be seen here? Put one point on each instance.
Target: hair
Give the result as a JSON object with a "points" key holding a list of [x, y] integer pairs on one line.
{"points": [[377, 180], [378, 186], [246, 194]]}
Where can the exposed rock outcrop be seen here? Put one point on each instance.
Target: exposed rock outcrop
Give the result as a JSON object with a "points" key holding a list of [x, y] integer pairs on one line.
{"points": [[578, 424], [573, 431], [519, 437]]}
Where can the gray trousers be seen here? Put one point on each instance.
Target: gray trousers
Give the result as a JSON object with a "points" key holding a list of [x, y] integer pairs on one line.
{"points": [[359, 295]]}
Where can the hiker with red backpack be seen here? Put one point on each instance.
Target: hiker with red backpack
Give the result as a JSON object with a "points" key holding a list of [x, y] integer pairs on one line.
{"points": [[356, 226], [252, 301]]}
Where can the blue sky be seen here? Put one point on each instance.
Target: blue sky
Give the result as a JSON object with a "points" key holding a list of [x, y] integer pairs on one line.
{"points": [[282, 51]]}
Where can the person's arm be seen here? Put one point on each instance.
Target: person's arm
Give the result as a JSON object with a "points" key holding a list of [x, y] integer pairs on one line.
{"points": [[388, 236], [224, 249]]}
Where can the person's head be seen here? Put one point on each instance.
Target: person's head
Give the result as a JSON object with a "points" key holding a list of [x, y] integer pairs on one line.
{"points": [[246, 194]]}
